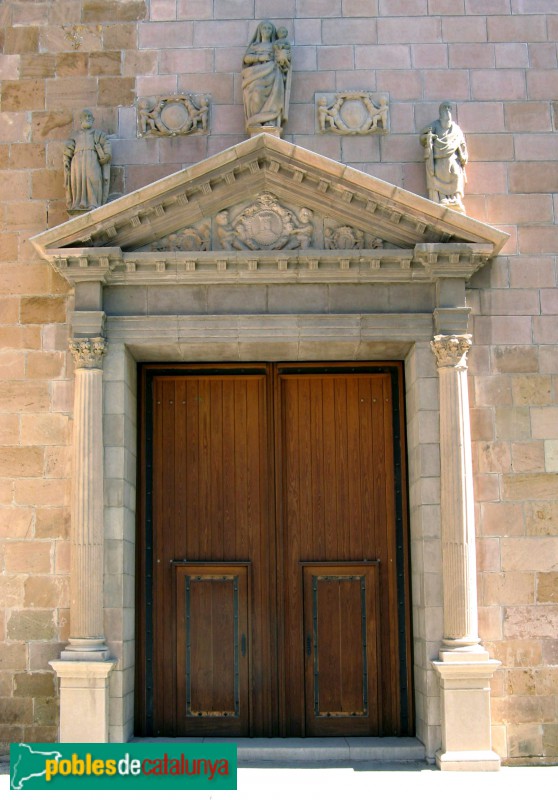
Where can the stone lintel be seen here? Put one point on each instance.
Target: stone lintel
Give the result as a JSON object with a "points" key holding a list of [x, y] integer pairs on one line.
{"points": [[84, 695]]}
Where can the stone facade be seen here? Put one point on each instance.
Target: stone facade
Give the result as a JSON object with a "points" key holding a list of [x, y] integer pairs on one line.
{"points": [[498, 62]]}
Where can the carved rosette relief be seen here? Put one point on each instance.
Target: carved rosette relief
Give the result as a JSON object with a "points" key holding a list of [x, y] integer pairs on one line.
{"points": [[88, 353], [345, 237], [265, 225], [352, 113], [194, 239], [451, 351], [175, 115]]}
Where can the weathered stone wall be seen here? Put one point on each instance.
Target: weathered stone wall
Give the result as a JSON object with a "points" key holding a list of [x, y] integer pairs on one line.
{"points": [[498, 60]]}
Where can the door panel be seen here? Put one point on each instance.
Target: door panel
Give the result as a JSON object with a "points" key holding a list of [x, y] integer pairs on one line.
{"points": [[341, 673], [268, 595], [211, 487], [212, 641], [338, 504]]}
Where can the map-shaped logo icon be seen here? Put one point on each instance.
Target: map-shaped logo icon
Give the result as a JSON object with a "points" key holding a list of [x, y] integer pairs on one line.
{"points": [[28, 765]]}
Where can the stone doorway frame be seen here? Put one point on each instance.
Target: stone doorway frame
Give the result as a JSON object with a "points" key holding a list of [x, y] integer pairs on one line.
{"points": [[417, 304], [127, 346], [444, 616]]}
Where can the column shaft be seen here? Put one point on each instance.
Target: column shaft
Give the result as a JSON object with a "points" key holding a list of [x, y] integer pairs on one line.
{"points": [[87, 507], [457, 509], [87, 534]]}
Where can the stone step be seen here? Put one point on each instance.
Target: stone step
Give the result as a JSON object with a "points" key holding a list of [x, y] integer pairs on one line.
{"points": [[293, 752]]}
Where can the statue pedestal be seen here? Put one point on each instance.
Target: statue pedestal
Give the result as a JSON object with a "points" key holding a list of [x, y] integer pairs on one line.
{"points": [[255, 130]]}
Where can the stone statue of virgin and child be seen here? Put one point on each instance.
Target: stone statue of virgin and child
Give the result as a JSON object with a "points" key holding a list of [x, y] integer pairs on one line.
{"points": [[266, 80]]}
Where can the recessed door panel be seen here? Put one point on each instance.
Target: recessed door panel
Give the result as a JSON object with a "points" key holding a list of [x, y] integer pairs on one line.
{"points": [[213, 660], [341, 637]]}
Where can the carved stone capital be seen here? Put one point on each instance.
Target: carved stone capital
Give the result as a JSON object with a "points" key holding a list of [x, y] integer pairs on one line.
{"points": [[451, 351], [88, 353]]}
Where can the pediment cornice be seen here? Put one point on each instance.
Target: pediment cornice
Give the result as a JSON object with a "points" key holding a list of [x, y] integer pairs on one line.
{"points": [[419, 239]]}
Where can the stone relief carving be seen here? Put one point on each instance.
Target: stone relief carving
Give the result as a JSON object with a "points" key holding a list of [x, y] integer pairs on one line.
{"points": [[352, 113], [88, 353], [194, 239], [445, 155], [451, 351], [266, 79], [265, 225], [176, 115], [87, 158], [345, 237]]}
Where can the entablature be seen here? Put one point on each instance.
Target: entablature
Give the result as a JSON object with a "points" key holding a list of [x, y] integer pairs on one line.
{"points": [[423, 263]]}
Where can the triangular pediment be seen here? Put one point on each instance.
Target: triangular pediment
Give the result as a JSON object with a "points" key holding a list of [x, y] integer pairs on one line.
{"points": [[267, 198]]}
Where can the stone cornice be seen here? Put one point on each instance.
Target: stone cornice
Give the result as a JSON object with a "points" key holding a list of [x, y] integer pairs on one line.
{"points": [[423, 263]]}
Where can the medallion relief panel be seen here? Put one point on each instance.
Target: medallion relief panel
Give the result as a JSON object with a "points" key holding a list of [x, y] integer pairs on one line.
{"points": [[175, 115], [352, 113]]}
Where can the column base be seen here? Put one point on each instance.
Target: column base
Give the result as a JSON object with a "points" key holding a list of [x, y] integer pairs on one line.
{"points": [[84, 699], [91, 649], [468, 761], [465, 710]]}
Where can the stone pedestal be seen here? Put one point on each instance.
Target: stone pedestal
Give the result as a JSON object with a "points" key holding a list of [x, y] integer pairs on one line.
{"points": [[85, 663], [255, 130], [465, 710], [464, 666], [84, 708]]}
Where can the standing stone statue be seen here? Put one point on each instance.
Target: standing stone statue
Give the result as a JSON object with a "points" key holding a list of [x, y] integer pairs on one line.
{"points": [[266, 80], [445, 154], [86, 167]]}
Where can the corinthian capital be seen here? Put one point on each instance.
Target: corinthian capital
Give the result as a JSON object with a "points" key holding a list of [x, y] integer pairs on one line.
{"points": [[88, 353], [451, 351]]}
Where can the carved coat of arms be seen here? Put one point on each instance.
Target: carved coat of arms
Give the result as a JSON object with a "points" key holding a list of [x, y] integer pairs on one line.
{"points": [[265, 225]]}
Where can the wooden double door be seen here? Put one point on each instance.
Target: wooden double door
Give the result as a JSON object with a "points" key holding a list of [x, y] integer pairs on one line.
{"points": [[272, 564]]}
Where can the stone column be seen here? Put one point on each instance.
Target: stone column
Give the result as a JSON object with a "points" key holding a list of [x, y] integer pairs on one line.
{"points": [[85, 663], [464, 666]]}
